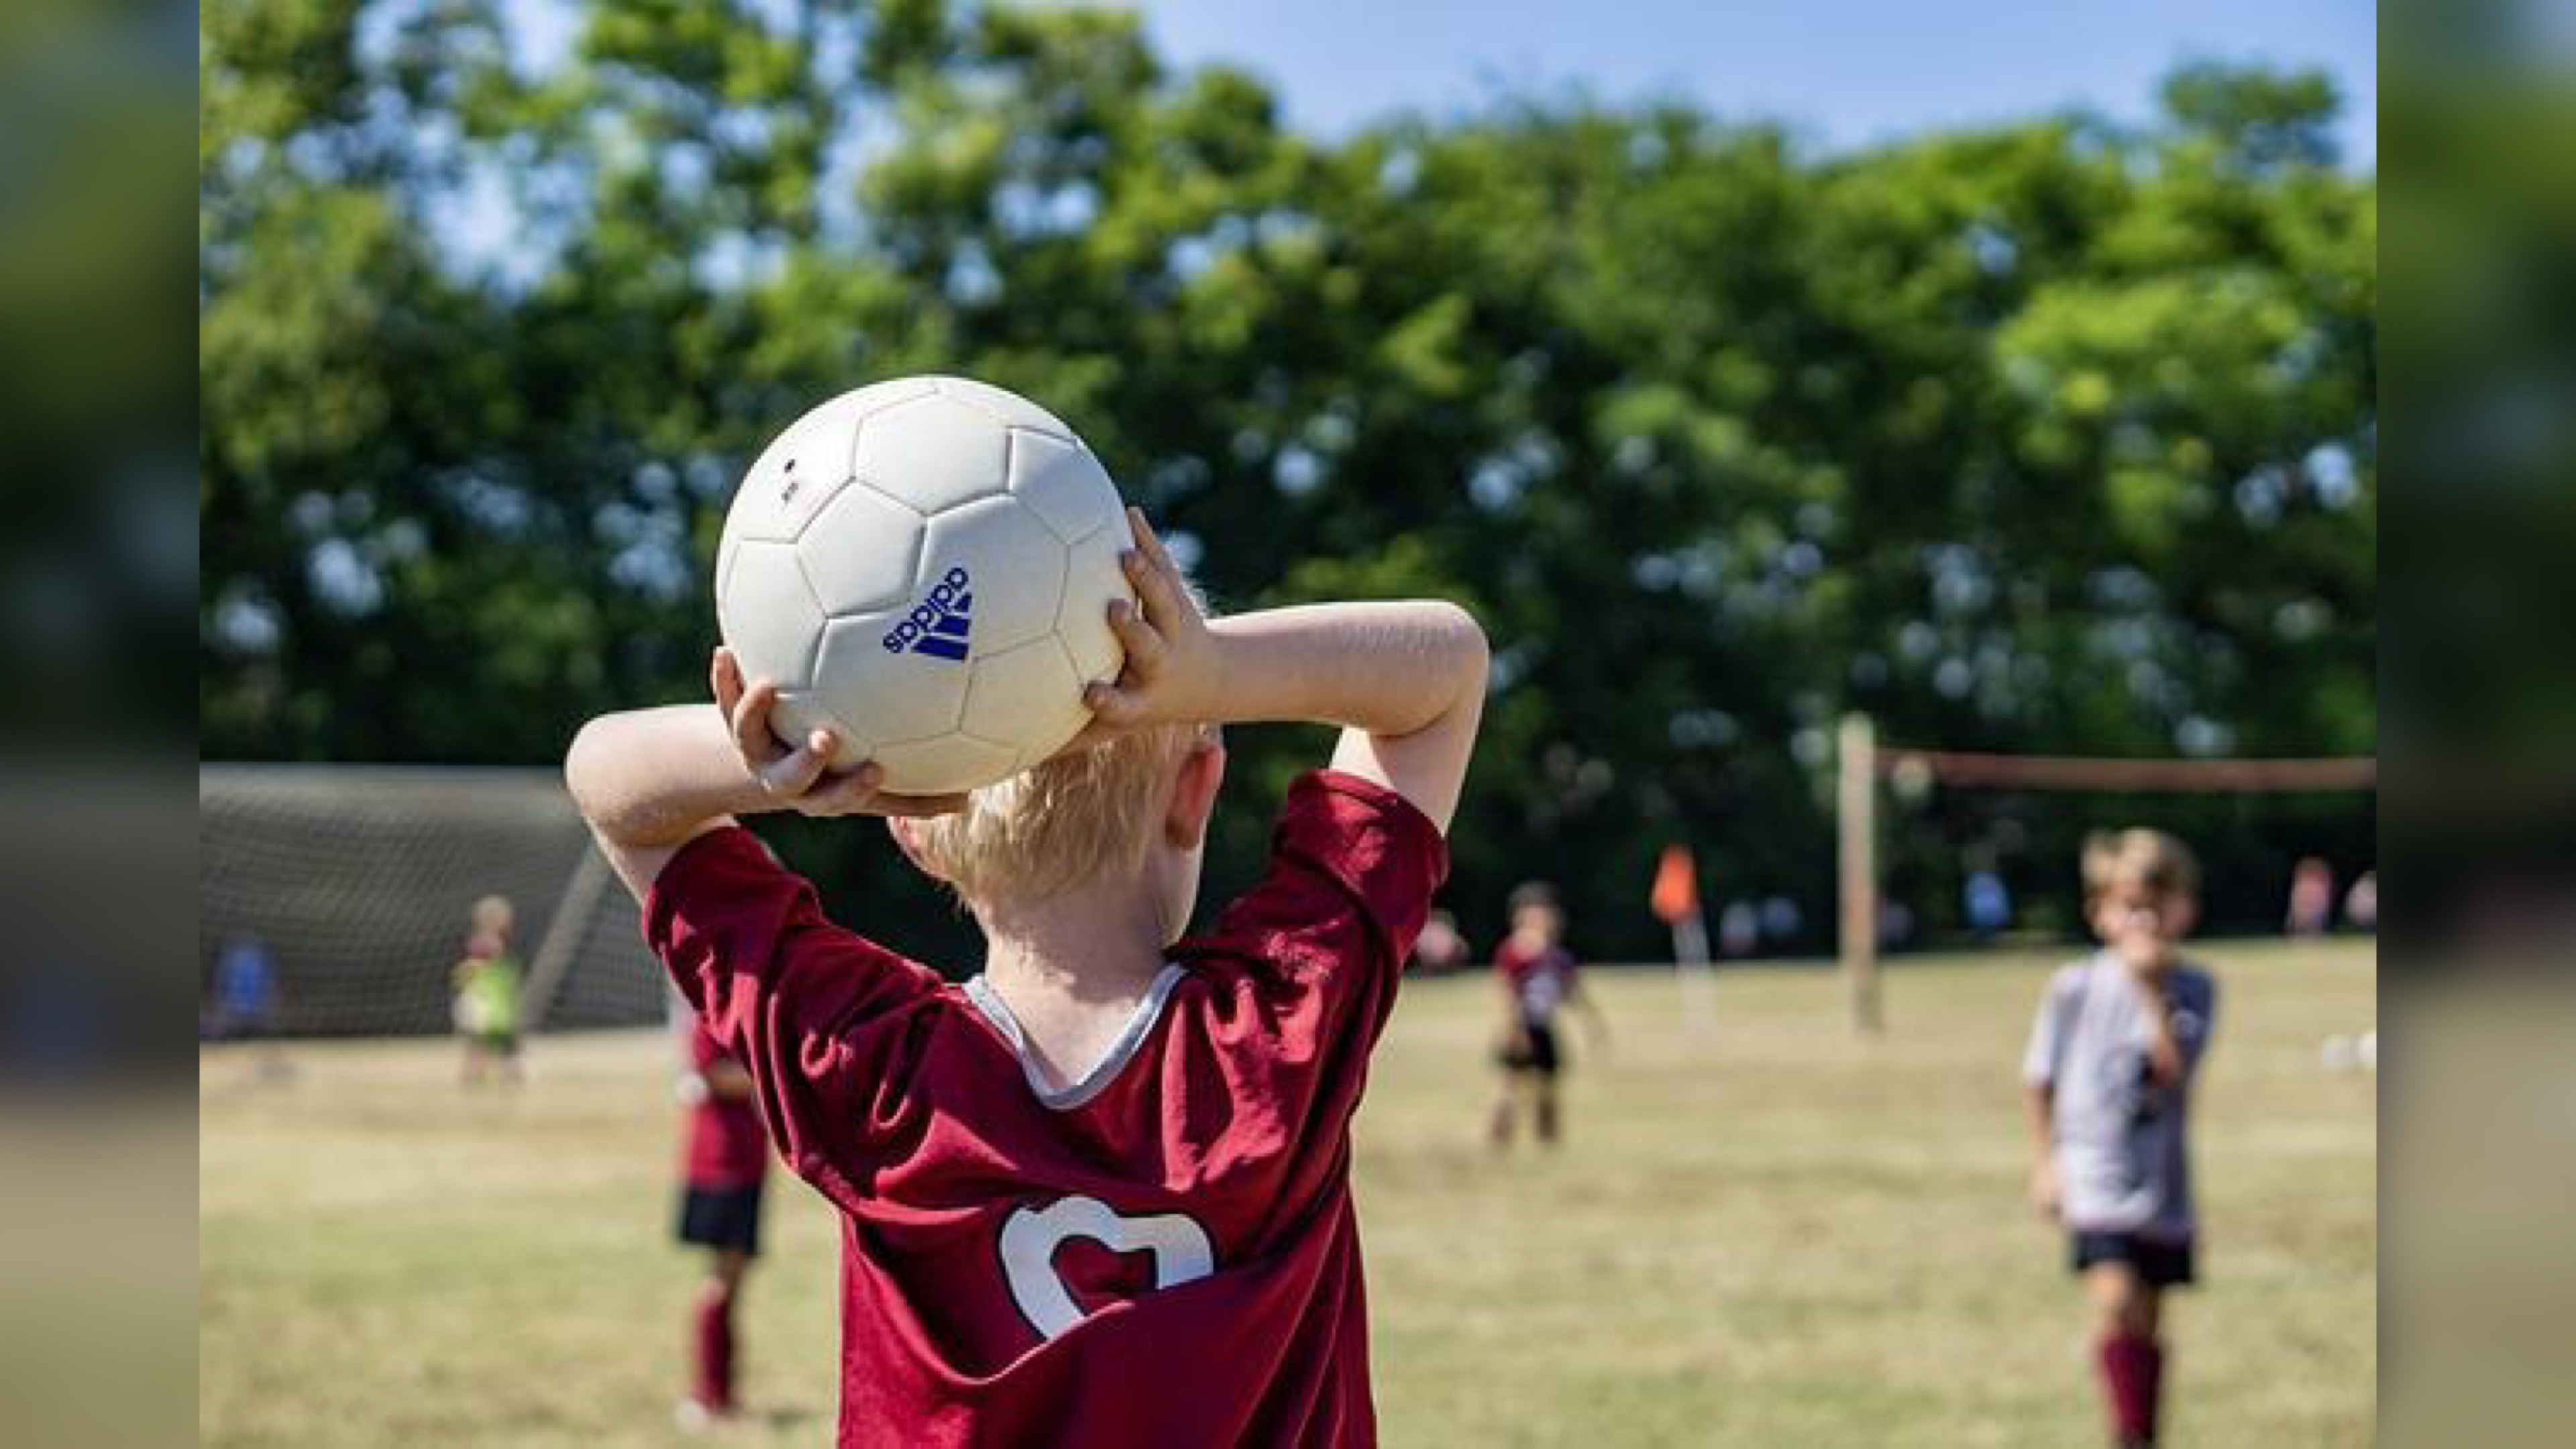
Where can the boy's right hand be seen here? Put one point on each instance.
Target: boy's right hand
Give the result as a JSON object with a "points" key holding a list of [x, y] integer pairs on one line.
{"points": [[2044, 1191], [1170, 674], [799, 778]]}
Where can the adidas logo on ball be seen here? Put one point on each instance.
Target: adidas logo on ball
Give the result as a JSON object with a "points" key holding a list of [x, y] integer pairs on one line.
{"points": [[940, 624]]}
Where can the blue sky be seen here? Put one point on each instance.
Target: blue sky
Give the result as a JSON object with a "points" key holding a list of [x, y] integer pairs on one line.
{"points": [[1842, 72]]}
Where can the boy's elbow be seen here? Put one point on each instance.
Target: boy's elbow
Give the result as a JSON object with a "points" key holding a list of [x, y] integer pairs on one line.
{"points": [[1466, 643], [581, 769]]}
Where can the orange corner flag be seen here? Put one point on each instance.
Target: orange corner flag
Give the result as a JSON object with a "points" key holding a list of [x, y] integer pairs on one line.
{"points": [[1676, 892]]}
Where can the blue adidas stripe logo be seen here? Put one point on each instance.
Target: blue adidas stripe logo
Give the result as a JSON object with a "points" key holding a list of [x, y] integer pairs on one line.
{"points": [[940, 624]]}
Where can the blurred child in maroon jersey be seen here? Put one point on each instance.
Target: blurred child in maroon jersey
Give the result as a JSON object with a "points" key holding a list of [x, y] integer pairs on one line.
{"points": [[1538, 978], [724, 1160]]}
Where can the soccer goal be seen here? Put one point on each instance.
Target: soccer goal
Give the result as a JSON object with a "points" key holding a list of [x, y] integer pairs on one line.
{"points": [[357, 882], [1864, 765]]}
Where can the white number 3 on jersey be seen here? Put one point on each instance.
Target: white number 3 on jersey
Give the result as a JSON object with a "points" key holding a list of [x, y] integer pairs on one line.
{"points": [[1029, 1240]]}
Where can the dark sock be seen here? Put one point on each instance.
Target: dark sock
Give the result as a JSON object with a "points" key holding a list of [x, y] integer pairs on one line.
{"points": [[715, 1348], [2132, 1371], [2151, 1390]]}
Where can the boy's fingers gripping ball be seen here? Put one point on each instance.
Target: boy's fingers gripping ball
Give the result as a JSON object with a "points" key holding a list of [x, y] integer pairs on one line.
{"points": [[724, 681], [924, 566], [798, 770], [1143, 645], [749, 720], [1110, 706], [847, 794], [1149, 568], [1150, 543]]}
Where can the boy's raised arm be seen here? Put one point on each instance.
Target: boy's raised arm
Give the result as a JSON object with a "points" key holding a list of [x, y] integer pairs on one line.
{"points": [[1405, 680]]}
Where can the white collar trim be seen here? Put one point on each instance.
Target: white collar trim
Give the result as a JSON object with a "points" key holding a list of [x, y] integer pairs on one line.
{"points": [[1093, 1082]]}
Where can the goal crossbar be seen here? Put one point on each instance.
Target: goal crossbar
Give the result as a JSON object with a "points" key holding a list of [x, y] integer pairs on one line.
{"points": [[2117, 775]]}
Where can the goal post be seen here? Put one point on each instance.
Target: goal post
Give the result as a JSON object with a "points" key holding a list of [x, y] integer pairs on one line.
{"points": [[1862, 761], [354, 883], [1857, 807]]}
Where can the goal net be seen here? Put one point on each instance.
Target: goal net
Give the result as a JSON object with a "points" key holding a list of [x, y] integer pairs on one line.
{"points": [[1981, 822], [357, 883]]}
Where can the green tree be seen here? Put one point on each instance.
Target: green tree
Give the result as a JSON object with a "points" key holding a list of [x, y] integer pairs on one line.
{"points": [[2047, 435]]}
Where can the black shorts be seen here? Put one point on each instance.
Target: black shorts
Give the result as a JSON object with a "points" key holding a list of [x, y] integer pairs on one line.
{"points": [[722, 1217], [2158, 1262], [1537, 1054]]}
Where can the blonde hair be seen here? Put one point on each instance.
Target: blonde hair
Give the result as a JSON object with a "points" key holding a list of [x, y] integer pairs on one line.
{"points": [[2151, 858], [1071, 820]]}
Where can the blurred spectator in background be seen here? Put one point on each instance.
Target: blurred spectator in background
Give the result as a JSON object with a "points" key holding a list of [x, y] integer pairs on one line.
{"points": [[1781, 921], [1440, 948], [2361, 903], [487, 995], [1987, 903], [1739, 929], [244, 1001], [243, 1007], [1895, 923], [2311, 908]]}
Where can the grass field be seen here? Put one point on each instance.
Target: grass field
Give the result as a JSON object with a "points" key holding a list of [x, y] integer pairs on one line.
{"points": [[1776, 1235]]}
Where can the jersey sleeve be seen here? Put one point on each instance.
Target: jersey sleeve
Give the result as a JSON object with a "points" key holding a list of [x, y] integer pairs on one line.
{"points": [[2202, 1003], [2049, 1031], [1353, 866], [821, 1017]]}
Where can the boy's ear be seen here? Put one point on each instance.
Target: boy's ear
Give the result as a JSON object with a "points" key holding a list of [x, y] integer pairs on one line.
{"points": [[1194, 790], [901, 828]]}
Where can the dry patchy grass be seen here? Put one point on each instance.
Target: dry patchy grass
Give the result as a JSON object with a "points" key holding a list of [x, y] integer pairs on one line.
{"points": [[1770, 1234]]}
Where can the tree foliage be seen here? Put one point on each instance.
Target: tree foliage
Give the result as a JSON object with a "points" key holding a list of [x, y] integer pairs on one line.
{"points": [[2047, 436]]}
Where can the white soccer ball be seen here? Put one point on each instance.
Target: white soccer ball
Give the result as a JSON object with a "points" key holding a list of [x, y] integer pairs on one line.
{"points": [[925, 567]]}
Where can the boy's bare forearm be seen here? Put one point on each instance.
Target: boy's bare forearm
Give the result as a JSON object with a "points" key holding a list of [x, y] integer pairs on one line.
{"points": [[2038, 1102], [1389, 669], [655, 777]]}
